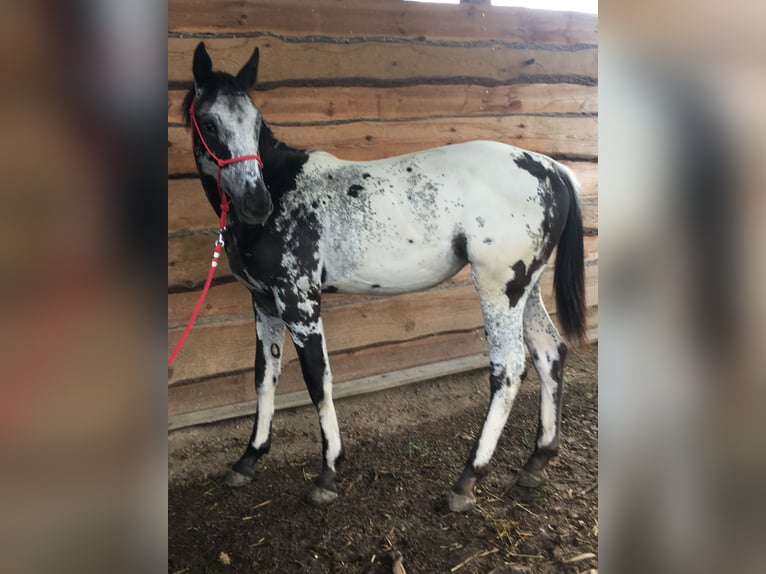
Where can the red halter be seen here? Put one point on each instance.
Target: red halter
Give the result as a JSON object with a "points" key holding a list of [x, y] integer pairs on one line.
{"points": [[225, 205]]}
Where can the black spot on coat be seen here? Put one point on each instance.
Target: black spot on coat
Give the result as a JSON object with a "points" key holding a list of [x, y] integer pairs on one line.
{"points": [[522, 276], [530, 164], [354, 190], [459, 247]]}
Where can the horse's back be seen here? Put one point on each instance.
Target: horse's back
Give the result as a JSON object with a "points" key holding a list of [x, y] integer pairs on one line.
{"points": [[410, 222]]}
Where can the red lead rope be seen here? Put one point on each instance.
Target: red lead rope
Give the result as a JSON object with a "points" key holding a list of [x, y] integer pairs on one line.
{"points": [[205, 289], [225, 205]]}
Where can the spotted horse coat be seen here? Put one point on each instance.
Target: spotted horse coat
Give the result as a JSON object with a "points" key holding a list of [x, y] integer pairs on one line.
{"points": [[309, 222]]}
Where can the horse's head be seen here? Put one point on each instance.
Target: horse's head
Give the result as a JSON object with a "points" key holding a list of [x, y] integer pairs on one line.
{"points": [[230, 125]]}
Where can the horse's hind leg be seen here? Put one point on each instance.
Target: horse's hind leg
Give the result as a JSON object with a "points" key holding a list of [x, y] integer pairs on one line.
{"points": [[503, 325], [548, 355], [268, 362]]}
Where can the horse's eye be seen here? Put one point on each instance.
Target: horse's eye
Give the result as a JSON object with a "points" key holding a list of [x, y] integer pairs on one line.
{"points": [[209, 127]]}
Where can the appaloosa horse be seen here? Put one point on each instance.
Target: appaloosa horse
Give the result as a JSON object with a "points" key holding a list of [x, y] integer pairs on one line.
{"points": [[306, 222]]}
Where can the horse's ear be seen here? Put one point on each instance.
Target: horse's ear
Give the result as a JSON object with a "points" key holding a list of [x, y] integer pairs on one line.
{"points": [[202, 66], [249, 72]]}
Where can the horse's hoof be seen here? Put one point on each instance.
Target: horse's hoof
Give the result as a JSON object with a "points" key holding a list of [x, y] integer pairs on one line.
{"points": [[529, 479], [320, 496], [236, 479], [460, 502]]}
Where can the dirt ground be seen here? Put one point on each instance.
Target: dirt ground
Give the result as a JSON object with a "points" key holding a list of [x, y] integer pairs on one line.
{"points": [[404, 448]]}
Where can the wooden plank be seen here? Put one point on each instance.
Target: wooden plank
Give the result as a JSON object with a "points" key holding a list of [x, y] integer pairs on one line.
{"points": [[189, 209], [556, 136], [338, 103], [587, 175], [227, 301], [352, 18], [589, 207], [231, 301], [243, 402], [346, 366], [574, 137], [383, 63], [351, 388], [218, 348], [189, 261]]}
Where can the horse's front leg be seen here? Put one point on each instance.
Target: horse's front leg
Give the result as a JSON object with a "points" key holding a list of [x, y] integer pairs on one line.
{"points": [[309, 340], [268, 360]]}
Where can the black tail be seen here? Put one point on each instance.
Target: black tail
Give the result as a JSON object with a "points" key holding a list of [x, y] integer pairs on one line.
{"points": [[569, 271]]}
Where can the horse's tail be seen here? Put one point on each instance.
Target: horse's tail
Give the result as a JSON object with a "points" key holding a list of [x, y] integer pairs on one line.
{"points": [[569, 270]]}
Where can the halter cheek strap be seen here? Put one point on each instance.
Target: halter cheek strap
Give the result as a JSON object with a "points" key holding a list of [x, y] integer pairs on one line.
{"points": [[221, 163], [225, 205]]}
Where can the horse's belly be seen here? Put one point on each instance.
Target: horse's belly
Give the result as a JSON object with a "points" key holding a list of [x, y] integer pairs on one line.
{"points": [[388, 271]]}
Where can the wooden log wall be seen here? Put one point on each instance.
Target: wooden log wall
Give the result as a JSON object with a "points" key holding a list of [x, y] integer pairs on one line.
{"points": [[368, 79]]}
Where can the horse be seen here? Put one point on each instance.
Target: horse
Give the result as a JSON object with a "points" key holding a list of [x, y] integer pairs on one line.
{"points": [[303, 223]]}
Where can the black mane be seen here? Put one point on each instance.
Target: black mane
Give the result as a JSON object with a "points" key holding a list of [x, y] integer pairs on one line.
{"points": [[281, 162]]}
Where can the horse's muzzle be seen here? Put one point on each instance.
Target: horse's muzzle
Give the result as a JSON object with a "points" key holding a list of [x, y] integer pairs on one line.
{"points": [[256, 207], [255, 217]]}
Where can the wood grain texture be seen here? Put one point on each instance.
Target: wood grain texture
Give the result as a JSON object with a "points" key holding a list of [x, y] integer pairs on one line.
{"points": [[231, 301], [573, 138], [306, 104], [284, 62], [218, 348], [239, 387], [354, 18], [351, 388], [231, 396]]}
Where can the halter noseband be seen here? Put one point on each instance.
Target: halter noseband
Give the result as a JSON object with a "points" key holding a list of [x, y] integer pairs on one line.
{"points": [[221, 163]]}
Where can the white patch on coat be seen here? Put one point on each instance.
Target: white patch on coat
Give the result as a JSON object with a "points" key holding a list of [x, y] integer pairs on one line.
{"points": [[270, 331], [327, 417], [251, 281], [499, 409], [396, 232], [329, 422], [543, 341], [307, 306], [265, 398], [547, 416], [506, 352]]}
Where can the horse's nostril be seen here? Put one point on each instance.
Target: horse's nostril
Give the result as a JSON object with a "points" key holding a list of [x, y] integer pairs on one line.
{"points": [[257, 202]]}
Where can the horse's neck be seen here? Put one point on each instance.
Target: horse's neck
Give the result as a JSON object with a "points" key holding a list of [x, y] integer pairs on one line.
{"points": [[281, 163]]}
